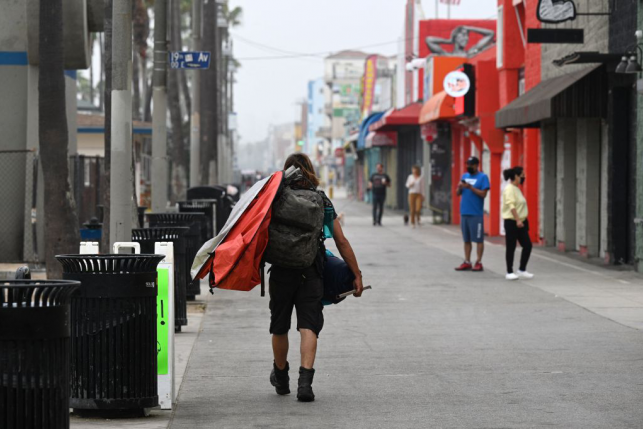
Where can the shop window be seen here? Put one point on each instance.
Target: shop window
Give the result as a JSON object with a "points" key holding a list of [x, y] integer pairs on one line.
{"points": [[521, 81]]}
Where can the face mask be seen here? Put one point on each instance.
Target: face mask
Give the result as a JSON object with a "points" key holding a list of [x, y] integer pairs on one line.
{"points": [[522, 180], [471, 170]]}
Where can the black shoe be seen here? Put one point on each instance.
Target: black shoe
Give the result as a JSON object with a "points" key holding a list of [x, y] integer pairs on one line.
{"points": [[280, 379], [305, 389]]}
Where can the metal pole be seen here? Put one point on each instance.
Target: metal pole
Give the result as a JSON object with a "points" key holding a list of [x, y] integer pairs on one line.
{"points": [[121, 127], [159, 109], [448, 10], [195, 129]]}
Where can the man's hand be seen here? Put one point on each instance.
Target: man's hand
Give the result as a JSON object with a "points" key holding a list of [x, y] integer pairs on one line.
{"points": [[466, 185], [358, 286], [520, 224]]}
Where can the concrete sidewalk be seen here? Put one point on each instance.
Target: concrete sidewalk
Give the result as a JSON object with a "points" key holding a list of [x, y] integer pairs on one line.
{"points": [[158, 419], [430, 347]]}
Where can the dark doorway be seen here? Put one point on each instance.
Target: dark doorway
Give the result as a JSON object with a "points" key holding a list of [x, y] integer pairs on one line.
{"points": [[409, 153], [620, 186]]}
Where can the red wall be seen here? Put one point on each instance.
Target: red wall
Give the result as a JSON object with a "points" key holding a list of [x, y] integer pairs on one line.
{"points": [[443, 28]]}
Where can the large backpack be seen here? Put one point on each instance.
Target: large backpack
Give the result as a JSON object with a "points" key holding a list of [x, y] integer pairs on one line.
{"points": [[295, 229]]}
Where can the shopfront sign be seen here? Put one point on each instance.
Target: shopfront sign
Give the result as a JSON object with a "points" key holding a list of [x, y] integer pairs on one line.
{"points": [[368, 90], [556, 11], [457, 84]]}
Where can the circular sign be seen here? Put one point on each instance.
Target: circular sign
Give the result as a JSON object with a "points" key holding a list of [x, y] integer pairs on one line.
{"points": [[457, 84]]}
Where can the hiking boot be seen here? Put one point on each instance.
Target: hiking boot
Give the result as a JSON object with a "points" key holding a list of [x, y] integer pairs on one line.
{"points": [[478, 267], [305, 389], [465, 266], [280, 379]]}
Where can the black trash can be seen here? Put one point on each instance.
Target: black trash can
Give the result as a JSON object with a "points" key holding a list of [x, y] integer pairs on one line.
{"points": [[113, 331], [147, 237], [209, 208], [219, 193], [194, 239], [35, 353]]}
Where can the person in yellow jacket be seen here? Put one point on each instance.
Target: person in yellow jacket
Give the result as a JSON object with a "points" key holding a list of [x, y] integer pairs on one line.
{"points": [[514, 215]]}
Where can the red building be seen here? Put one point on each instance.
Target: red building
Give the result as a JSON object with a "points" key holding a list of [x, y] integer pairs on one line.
{"points": [[519, 71]]}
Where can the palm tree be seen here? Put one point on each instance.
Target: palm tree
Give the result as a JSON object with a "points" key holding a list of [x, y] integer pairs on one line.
{"points": [[61, 219]]}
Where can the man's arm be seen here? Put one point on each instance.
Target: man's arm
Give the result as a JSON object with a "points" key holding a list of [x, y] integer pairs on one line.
{"points": [[346, 250], [482, 193]]}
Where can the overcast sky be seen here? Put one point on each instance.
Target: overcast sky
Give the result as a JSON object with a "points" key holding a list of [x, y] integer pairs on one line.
{"points": [[268, 89]]}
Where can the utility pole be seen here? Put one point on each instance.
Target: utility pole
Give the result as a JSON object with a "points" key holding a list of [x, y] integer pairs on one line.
{"points": [[195, 122], [121, 127], [159, 112]]}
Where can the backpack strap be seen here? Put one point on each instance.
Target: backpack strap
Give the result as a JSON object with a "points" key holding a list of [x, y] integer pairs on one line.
{"points": [[263, 278]]}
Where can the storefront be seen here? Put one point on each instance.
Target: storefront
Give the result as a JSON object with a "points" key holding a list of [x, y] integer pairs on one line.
{"points": [[405, 123]]}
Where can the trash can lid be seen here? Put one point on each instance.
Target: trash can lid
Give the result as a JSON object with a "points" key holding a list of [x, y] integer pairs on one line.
{"points": [[109, 263], [25, 293]]}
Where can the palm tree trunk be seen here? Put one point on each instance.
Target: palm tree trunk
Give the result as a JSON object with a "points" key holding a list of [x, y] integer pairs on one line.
{"points": [[179, 167], [61, 219]]}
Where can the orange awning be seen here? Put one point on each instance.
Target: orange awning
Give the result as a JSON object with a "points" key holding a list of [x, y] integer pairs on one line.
{"points": [[439, 107]]}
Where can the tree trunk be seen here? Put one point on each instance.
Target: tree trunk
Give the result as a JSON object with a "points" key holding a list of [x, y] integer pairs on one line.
{"points": [[107, 88], [208, 99], [179, 167], [147, 117], [61, 219], [136, 87]]}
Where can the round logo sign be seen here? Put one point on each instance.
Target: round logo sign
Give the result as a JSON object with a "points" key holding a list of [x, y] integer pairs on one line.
{"points": [[457, 84]]}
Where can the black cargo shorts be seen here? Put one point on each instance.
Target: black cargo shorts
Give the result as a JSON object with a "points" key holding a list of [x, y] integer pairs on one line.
{"points": [[301, 289]]}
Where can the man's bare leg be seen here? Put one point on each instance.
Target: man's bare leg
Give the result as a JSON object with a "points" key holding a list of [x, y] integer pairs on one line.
{"points": [[480, 251], [467, 252], [308, 348], [280, 350]]}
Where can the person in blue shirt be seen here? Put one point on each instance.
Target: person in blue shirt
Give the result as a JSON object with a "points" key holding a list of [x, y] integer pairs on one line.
{"points": [[473, 189]]}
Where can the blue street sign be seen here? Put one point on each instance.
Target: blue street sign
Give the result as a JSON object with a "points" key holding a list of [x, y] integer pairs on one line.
{"points": [[190, 60]]}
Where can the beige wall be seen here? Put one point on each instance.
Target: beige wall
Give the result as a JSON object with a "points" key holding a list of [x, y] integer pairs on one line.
{"points": [[91, 144], [596, 38]]}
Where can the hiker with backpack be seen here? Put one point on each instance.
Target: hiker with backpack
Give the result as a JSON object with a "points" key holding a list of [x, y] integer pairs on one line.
{"points": [[302, 217]]}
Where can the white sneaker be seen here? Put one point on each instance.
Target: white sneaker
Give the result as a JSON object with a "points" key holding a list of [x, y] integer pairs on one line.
{"points": [[525, 275], [511, 276]]}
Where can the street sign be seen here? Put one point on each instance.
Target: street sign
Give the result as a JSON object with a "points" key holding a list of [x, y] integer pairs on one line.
{"points": [[190, 60]]}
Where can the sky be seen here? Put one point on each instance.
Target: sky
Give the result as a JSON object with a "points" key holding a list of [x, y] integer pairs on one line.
{"points": [[268, 89]]}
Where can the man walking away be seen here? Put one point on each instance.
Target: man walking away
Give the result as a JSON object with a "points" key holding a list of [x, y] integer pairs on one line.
{"points": [[377, 184], [473, 188]]}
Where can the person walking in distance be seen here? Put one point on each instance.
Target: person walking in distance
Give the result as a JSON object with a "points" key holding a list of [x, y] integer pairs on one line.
{"points": [[296, 273], [473, 188], [416, 196], [514, 215], [377, 184]]}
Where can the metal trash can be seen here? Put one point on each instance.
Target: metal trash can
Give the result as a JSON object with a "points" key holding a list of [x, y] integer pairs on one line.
{"points": [[207, 207], [147, 237], [35, 353], [113, 331], [196, 222], [219, 193]]}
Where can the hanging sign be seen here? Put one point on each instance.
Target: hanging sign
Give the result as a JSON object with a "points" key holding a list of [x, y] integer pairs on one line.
{"points": [[556, 11], [457, 84], [190, 60], [369, 82]]}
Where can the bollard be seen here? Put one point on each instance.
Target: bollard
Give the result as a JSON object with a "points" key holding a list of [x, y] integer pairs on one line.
{"points": [[165, 325], [34, 353]]}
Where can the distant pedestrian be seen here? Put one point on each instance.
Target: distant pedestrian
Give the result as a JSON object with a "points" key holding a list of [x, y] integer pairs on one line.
{"points": [[514, 215], [416, 196], [377, 184], [473, 188]]}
